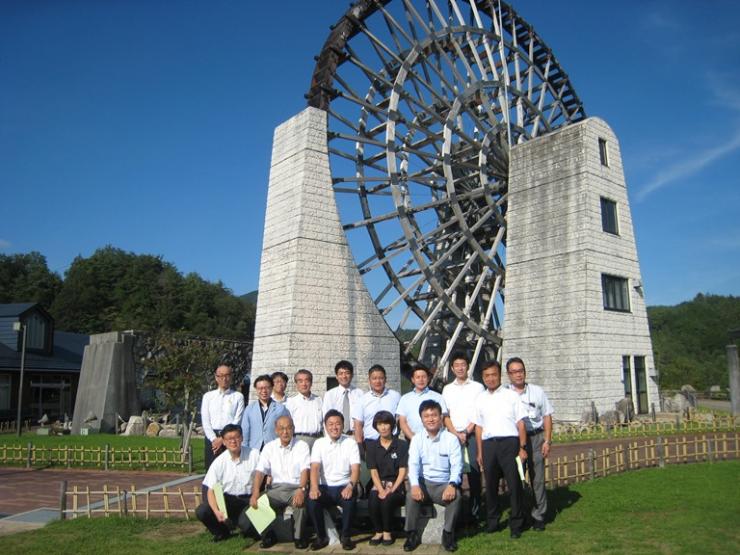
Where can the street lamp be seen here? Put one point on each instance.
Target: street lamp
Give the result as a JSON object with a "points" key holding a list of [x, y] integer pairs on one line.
{"points": [[18, 326]]}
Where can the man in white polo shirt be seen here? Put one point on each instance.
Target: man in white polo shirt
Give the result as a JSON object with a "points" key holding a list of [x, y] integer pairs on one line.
{"points": [[305, 408], [287, 460], [335, 470], [373, 401], [501, 437], [344, 396], [539, 434], [233, 470], [460, 397], [219, 407]]}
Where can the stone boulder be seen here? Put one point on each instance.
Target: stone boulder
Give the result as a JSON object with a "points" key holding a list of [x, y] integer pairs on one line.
{"points": [[626, 409], [152, 430], [610, 418], [168, 432], [135, 427]]}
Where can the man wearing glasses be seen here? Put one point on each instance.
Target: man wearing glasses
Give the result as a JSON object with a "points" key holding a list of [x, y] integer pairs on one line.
{"points": [[539, 434], [219, 407]]}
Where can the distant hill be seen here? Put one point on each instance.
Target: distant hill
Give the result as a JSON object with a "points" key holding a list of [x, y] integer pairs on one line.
{"points": [[250, 297], [689, 340]]}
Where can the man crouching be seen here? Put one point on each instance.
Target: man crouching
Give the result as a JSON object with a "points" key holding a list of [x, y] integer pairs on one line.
{"points": [[234, 470]]}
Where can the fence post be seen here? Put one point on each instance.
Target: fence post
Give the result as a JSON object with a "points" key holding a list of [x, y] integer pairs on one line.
{"points": [[591, 463], [125, 503], [28, 454], [63, 500], [190, 459], [659, 449], [710, 452], [652, 405], [107, 454]]}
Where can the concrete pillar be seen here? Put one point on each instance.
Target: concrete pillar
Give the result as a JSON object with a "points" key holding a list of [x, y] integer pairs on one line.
{"points": [[313, 308], [734, 368]]}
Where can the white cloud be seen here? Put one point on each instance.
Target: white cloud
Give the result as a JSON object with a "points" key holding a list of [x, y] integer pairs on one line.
{"points": [[691, 166], [4, 244], [726, 90]]}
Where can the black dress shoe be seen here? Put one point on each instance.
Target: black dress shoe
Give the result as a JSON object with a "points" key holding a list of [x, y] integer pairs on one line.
{"points": [[375, 541], [389, 541], [220, 537], [268, 540], [347, 543], [300, 544], [538, 525], [493, 528], [412, 542], [319, 543], [448, 541], [516, 534]]}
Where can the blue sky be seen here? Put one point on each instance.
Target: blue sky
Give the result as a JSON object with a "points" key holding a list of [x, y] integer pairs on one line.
{"points": [[147, 125]]}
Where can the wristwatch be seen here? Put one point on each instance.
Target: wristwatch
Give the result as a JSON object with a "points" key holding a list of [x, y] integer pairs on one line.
{"points": [[523, 447], [453, 484], [548, 442]]}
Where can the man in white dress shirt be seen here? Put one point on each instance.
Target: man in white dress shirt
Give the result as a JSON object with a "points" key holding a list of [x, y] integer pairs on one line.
{"points": [[287, 461], [335, 471], [373, 401], [460, 397], [234, 471], [501, 437], [305, 408], [219, 407], [344, 396], [539, 434]]}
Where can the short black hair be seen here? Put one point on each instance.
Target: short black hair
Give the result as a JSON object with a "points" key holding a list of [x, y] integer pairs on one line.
{"points": [[490, 364], [347, 365], [383, 417], [459, 355], [418, 367], [333, 412], [231, 428], [279, 374], [303, 371], [263, 378], [430, 404], [515, 359], [376, 368]]}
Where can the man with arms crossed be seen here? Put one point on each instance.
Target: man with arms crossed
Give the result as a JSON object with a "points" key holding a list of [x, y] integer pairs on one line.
{"points": [[501, 437], [539, 434], [305, 408], [287, 460], [335, 470], [258, 422], [234, 470], [460, 397], [435, 470], [344, 396]]}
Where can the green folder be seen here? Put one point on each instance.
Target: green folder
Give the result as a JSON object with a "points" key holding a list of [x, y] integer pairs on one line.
{"points": [[218, 491], [262, 516]]}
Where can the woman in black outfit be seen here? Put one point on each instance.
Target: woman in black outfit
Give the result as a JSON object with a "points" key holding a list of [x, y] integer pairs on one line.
{"points": [[387, 458]]}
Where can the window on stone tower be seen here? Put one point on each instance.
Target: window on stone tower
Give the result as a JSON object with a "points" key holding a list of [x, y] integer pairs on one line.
{"points": [[609, 216], [615, 292], [603, 152]]}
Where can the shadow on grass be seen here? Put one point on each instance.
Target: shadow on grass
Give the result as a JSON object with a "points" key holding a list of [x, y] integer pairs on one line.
{"points": [[560, 499]]}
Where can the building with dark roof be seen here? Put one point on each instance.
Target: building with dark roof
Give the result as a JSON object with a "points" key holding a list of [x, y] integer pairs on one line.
{"points": [[52, 365]]}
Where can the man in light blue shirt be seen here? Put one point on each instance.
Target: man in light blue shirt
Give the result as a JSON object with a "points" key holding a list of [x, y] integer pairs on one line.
{"points": [[408, 407], [258, 420], [435, 472]]}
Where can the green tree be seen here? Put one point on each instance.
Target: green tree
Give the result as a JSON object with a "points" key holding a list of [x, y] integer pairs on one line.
{"points": [[27, 278]]}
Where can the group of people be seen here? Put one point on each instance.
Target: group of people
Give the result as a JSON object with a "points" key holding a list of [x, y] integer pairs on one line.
{"points": [[306, 452]]}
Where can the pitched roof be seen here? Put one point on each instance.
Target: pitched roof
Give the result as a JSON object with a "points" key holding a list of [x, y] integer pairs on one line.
{"points": [[67, 356], [14, 309]]}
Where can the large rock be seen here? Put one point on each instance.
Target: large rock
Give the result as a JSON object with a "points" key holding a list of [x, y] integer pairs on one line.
{"points": [[135, 426], [168, 432], [152, 430], [626, 408], [610, 418]]}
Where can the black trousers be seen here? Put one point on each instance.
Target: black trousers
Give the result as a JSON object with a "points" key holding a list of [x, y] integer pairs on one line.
{"points": [[381, 510], [475, 484], [499, 458], [235, 508], [331, 497]]}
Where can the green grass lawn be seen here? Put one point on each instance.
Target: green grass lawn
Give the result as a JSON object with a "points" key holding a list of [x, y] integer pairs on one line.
{"points": [[100, 440], [680, 509]]}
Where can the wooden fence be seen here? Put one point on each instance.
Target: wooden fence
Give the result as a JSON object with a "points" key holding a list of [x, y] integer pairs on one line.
{"points": [[9, 426], [561, 471], [642, 453], [114, 501], [712, 423], [102, 457]]}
